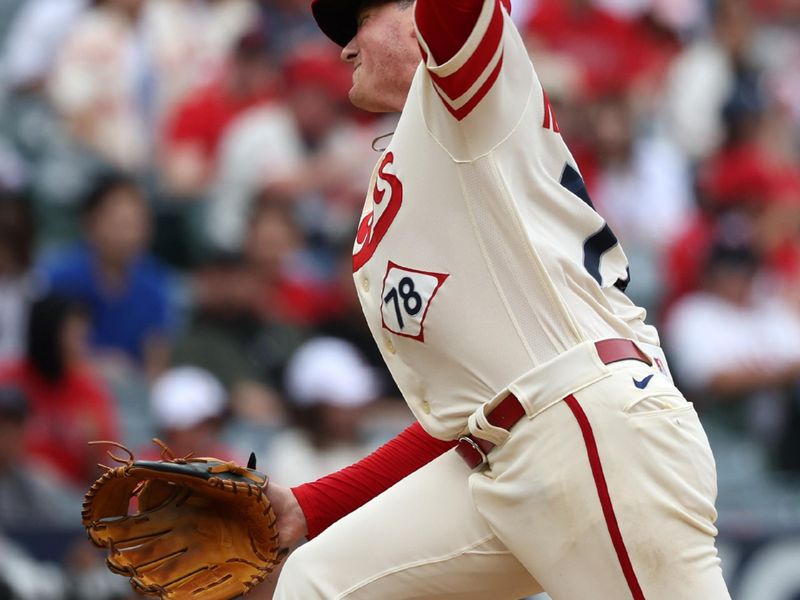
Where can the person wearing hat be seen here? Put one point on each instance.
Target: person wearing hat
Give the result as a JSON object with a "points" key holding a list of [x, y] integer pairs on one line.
{"points": [[552, 451], [188, 405], [329, 386]]}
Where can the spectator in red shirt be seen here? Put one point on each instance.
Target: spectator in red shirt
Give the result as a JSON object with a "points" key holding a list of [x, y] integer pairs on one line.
{"points": [[69, 404], [193, 131], [293, 291], [755, 176], [610, 53]]}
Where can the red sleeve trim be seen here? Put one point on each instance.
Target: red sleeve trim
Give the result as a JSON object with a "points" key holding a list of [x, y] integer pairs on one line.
{"points": [[446, 25], [327, 500], [462, 113], [457, 84]]}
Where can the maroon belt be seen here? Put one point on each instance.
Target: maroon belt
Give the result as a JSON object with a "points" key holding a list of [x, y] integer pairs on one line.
{"points": [[506, 414]]}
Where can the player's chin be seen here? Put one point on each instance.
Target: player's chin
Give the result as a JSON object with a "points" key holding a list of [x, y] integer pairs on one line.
{"points": [[361, 98]]}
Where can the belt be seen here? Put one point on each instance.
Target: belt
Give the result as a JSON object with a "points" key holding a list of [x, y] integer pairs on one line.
{"points": [[510, 410]]}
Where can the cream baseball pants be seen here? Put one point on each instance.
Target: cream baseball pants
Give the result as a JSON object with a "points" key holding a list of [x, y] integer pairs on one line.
{"points": [[606, 494]]}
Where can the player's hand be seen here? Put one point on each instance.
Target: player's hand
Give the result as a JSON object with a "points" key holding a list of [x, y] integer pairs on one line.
{"points": [[292, 525]]}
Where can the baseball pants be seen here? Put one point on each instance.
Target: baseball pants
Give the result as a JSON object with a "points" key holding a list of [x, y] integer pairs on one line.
{"points": [[607, 494]]}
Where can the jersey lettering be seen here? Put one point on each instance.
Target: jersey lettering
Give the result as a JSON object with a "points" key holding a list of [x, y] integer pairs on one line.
{"points": [[407, 296], [375, 224], [602, 241]]}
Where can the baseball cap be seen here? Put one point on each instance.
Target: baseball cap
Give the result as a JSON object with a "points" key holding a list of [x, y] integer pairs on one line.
{"points": [[327, 370], [186, 396], [338, 19]]}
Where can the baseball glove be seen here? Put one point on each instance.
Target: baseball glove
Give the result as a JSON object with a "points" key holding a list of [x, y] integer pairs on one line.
{"points": [[201, 528]]}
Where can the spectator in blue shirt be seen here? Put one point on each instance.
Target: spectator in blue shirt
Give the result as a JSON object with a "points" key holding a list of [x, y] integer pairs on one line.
{"points": [[126, 290]]}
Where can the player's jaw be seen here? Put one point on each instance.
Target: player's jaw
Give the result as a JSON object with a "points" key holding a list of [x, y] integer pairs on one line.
{"points": [[384, 54]]}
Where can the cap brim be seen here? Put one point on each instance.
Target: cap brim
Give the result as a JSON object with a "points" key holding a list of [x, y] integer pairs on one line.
{"points": [[338, 19]]}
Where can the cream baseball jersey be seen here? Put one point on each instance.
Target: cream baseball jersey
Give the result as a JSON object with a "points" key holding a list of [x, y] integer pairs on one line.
{"points": [[479, 255]]}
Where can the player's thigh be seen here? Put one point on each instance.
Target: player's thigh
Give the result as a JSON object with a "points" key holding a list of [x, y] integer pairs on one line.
{"points": [[420, 539], [617, 486]]}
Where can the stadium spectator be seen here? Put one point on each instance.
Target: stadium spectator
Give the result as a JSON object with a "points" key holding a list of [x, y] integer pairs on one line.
{"points": [[189, 405], [288, 23], [227, 335], [99, 83], [754, 173], [642, 185], [292, 287], [191, 42], [192, 132], [610, 53], [17, 283], [329, 386], [704, 77], [126, 291], [305, 147], [346, 321], [35, 35], [734, 344], [29, 499], [22, 577], [69, 405]]}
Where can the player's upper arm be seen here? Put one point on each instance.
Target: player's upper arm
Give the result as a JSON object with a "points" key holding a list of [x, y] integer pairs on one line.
{"points": [[481, 88]]}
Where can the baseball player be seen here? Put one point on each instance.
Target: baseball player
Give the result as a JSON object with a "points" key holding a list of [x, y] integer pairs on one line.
{"points": [[552, 451]]}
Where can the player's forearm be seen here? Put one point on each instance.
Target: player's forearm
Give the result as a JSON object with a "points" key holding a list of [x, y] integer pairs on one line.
{"points": [[327, 500]]}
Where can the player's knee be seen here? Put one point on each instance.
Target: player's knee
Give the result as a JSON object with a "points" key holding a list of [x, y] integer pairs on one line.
{"points": [[300, 577]]}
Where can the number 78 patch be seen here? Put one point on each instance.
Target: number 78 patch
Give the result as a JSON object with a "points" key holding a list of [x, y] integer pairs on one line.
{"points": [[406, 298]]}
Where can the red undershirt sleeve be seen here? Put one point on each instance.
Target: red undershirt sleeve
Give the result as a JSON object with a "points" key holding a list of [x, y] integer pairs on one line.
{"points": [[327, 500], [446, 24]]}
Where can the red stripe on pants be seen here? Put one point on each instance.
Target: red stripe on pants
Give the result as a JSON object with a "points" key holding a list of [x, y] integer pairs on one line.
{"points": [[605, 498]]}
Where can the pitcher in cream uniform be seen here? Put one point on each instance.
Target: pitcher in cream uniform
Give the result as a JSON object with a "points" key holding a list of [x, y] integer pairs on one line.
{"points": [[497, 296]]}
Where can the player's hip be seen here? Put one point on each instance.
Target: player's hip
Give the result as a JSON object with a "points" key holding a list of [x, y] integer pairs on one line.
{"points": [[607, 391]]}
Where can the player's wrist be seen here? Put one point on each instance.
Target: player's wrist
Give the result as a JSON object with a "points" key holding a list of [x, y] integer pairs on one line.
{"points": [[292, 522]]}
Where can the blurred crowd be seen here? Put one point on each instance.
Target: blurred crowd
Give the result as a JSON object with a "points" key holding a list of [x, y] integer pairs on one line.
{"points": [[180, 182]]}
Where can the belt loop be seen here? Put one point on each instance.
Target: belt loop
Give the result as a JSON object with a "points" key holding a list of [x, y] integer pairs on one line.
{"points": [[480, 427]]}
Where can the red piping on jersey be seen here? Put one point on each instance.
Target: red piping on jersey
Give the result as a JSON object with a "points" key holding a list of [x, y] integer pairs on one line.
{"points": [[605, 498], [462, 113], [549, 115], [457, 84]]}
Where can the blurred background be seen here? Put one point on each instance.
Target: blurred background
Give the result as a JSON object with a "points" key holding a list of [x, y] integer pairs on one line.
{"points": [[179, 187]]}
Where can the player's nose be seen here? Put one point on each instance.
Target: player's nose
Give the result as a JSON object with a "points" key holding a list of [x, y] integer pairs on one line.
{"points": [[350, 52]]}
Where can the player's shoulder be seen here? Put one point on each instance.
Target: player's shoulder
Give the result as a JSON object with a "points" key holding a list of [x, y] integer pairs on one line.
{"points": [[475, 101]]}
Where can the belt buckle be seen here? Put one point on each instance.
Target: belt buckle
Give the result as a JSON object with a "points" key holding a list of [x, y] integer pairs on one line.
{"points": [[470, 442]]}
